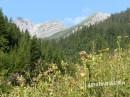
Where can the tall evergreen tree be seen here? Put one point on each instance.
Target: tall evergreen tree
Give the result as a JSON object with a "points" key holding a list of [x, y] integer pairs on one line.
{"points": [[3, 34], [35, 54]]}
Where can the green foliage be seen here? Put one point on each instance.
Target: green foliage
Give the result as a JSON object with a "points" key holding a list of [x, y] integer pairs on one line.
{"points": [[35, 50], [3, 34]]}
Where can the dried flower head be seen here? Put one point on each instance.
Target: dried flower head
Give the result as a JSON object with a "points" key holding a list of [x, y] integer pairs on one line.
{"points": [[83, 55]]}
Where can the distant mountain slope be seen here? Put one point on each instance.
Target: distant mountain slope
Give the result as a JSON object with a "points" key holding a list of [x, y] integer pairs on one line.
{"points": [[48, 29], [56, 29], [40, 30], [92, 20], [95, 19]]}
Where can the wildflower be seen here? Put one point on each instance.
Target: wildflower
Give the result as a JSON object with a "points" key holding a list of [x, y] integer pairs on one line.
{"points": [[21, 80], [83, 55], [82, 72]]}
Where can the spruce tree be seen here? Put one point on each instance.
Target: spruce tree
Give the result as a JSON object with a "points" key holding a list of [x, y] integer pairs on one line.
{"points": [[35, 52], [3, 34]]}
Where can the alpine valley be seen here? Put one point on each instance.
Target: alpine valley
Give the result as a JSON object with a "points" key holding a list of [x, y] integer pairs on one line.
{"points": [[51, 59]]}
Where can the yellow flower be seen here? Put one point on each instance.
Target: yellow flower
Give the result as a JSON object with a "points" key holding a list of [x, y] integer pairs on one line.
{"points": [[82, 72]]}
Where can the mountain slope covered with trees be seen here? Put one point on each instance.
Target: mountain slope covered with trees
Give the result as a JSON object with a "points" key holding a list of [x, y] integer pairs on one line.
{"points": [[96, 37]]}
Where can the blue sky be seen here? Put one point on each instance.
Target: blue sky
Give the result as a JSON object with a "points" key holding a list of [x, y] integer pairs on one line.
{"points": [[68, 11]]}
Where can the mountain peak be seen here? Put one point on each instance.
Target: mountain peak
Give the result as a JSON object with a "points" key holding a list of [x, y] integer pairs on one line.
{"points": [[102, 14], [47, 29], [24, 24], [96, 18], [41, 30]]}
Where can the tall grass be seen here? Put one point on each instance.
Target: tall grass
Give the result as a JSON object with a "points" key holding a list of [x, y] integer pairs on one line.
{"points": [[95, 68]]}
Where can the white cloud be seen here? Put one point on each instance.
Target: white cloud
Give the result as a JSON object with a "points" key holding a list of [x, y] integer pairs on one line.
{"points": [[74, 21]]}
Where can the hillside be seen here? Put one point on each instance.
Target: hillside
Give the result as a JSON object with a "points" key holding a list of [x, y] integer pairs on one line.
{"points": [[100, 36], [91, 20]]}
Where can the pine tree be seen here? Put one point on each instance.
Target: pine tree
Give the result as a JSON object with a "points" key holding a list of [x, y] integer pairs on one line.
{"points": [[3, 34], [35, 52]]}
